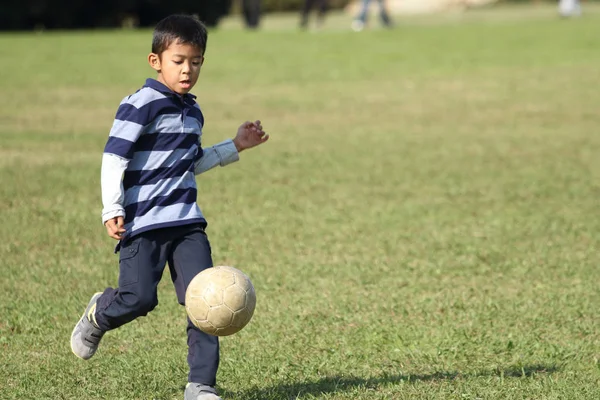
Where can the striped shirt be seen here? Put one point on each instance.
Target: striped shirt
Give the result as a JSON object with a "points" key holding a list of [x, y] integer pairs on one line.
{"points": [[151, 158]]}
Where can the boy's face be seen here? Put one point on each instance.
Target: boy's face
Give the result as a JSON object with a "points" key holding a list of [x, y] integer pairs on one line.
{"points": [[178, 66]]}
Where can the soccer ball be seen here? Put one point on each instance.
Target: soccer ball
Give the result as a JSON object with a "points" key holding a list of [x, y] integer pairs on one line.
{"points": [[220, 300]]}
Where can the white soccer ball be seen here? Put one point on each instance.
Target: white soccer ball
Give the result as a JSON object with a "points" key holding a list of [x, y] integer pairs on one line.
{"points": [[220, 300]]}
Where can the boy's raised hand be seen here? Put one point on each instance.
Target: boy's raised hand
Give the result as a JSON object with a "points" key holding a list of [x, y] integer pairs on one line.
{"points": [[250, 134], [114, 227]]}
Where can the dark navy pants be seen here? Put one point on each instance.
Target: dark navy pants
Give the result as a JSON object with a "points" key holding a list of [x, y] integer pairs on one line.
{"points": [[142, 261]]}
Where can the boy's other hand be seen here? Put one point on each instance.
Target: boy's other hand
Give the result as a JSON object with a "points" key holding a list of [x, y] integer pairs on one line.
{"points": [[249, 134], [114, 227]]}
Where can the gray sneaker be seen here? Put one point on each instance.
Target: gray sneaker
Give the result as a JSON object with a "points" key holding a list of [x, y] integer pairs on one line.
{"points": [[86, 336], [197, 391]]}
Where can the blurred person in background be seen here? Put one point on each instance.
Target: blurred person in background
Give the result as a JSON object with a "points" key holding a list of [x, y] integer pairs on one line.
{"points": [[361, 19], [569, 8], [251, 10], [322, 6]]}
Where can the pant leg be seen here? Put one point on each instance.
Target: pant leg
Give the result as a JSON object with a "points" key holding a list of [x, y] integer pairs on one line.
{"points": [[255, 14], [383, 13], [189, 256], [323, 8], [246, 11], [308, 4], [142, 260], [251, 9], [364, 12]]}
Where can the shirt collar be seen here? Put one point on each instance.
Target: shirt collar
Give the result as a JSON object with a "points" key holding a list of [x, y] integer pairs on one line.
{"points": [[156, 85]]}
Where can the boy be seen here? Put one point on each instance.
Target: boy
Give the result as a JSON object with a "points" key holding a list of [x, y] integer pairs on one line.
{"points": [[149, 196]]}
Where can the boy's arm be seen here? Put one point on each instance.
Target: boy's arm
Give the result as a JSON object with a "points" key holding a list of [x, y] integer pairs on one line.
{"points": [[127, 127], [249, 134], [221, 154], [111, 181]]}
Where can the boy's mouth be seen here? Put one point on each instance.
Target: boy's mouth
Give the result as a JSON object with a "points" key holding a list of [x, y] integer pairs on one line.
{"points": [[185, 84]]}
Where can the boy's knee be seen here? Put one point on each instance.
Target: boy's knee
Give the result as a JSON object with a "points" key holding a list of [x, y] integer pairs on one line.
{"points": [[147, 304], [142, 304]]}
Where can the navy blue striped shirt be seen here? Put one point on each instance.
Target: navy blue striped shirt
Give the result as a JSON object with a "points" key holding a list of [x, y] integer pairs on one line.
{"points": [[158, 131]]}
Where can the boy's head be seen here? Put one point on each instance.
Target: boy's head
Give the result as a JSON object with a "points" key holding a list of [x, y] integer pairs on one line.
{"points": [[178, 46]]}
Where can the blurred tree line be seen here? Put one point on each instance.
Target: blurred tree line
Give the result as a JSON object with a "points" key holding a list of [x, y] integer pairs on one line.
{"points": [[296, 5], [78, 14]]}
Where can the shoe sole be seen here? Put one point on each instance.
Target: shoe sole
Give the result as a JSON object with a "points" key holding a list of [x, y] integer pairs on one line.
{"points": [[93, 299]]}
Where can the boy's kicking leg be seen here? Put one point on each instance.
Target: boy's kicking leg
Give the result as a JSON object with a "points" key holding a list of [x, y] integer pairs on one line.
{"points": [[141, 263], [189, 256]]}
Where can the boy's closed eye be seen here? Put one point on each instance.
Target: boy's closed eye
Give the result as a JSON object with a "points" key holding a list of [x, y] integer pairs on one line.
{"points": [[195, 63]]}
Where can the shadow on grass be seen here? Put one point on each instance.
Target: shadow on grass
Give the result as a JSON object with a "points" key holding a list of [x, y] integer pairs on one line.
{"points": [[339, 384]]}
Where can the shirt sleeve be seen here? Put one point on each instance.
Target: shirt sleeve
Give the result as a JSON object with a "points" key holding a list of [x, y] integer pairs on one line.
{"points": [[127, 128], [111, 181], [221, 154]]}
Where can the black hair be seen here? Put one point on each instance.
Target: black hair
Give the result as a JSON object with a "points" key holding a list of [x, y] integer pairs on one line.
{"points": [[184, 29]]}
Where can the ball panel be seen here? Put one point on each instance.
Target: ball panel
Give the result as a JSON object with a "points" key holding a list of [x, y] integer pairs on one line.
{"points": [[230, 330], [220, 316], [206, 327], [212, 295], [197, 308], [234, 297], [243, 281], [222, 278], [197, 284], [251, 299], [241, 318]]}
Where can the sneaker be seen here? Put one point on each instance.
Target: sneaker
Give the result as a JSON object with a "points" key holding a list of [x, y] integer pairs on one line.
{"points": [[86, 335], [198, 391]]}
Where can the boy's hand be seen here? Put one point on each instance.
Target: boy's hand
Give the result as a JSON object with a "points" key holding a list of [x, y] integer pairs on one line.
{"points": [[114, 227], [249, 134]]}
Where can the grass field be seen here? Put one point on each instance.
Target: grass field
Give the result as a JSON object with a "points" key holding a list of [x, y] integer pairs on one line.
{"points": [[422, 225]]}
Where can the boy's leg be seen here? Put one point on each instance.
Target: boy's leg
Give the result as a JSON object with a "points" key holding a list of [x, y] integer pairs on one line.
{"points": [[189, 256], [141, 263]]}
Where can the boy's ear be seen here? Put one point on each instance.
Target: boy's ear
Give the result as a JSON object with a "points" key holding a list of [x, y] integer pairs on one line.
{"points": [[154, 61]]}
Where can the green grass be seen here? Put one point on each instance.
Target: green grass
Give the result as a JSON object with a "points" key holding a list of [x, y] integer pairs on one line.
{"points": [[422, 225]]}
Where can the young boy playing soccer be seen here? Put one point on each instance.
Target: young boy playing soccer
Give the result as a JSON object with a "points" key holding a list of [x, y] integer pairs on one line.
{"points": [[149, 196]]}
